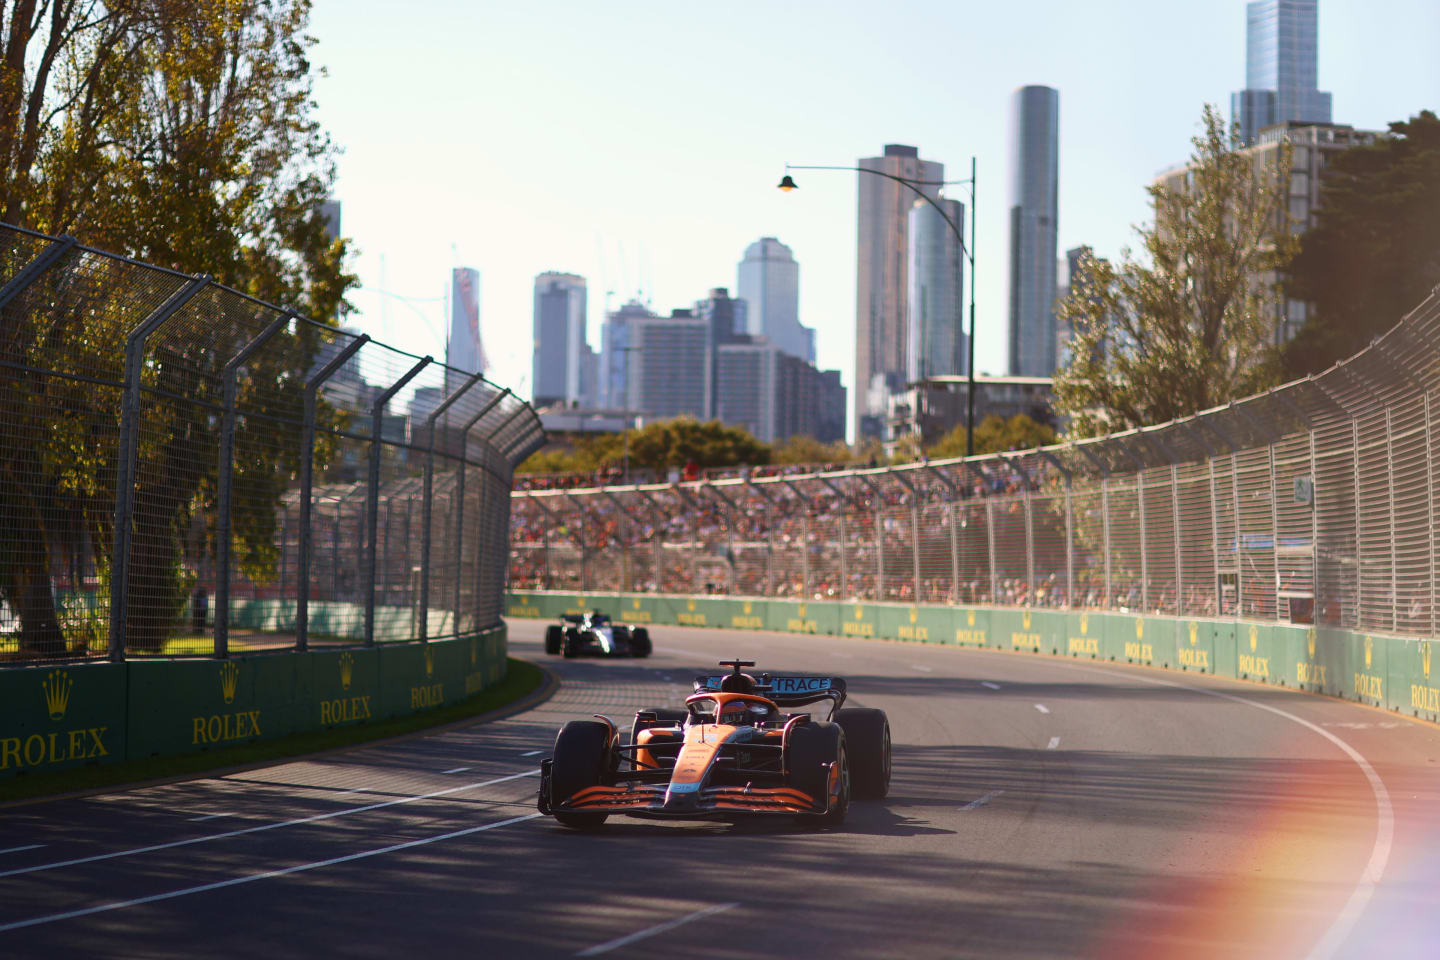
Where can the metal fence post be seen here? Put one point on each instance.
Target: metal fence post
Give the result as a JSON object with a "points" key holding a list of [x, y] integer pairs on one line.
{"points": [[950, 508], [307, 486], [1105, 537], [990, 544], [1429, 508], [844, 558], [372, 499], [224, 495], [915, 546], [1390, 509], [427, 503], [125, 467], [879, 549], [805, 552]]}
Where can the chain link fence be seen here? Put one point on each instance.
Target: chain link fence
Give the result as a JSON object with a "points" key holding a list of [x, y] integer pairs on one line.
{"points": [[185, 470], [1312, 503]]}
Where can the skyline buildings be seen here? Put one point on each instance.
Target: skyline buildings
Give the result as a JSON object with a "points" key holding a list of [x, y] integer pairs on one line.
{"points": [[558, 361], [769, 282], [934, 318], [1281, 68], [1034, 228], [881, 277], [464, 350]]}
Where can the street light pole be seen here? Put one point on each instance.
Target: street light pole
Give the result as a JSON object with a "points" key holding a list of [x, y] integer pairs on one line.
{"points": [[787, 183]]}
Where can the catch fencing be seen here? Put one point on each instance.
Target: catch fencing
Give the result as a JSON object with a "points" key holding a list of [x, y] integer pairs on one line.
{"points": [[1312, 503], [187, 470]]}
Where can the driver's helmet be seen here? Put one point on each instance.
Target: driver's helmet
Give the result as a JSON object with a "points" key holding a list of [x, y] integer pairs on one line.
{"points": [[736, 713]]}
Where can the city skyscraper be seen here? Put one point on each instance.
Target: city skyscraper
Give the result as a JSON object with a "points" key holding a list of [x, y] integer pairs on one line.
{"points": [[769, 281], [617, 338], [937, 341], [1034, 223], [1281, 67], [557, 367], [881, 278], [464, 351]]}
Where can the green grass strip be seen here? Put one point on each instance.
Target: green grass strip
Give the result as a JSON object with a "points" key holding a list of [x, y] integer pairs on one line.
{"points": [[521, 680]]}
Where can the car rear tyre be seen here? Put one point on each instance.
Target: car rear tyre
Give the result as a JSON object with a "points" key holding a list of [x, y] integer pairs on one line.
{"points": [[867, 740], [582, 759], [554, 640], [814, 747], [640, 643], [572, 644]]}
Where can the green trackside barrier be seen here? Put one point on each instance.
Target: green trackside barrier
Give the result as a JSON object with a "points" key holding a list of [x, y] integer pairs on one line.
{"points": [[52, 718], [1414, 678], [919, 624], [972, 627], [803, 616], [346, 685], [1083, 632], [859, 620], [642, 610], [1394, 673], [73, 714], [183, 706]]}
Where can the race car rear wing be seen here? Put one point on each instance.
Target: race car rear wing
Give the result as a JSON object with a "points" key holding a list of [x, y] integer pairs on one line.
{"points": [[786, 691]]}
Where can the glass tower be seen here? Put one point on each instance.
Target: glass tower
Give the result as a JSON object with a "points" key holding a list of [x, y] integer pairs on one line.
{"points": [[1281, 67], [1034, 229]]}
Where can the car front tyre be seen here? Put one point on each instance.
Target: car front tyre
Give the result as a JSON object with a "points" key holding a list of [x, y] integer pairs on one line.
{"points": [[581, 759]]}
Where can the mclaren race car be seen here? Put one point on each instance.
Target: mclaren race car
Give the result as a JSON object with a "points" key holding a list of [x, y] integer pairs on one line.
{"points": [[595, 633], [740, 747]]}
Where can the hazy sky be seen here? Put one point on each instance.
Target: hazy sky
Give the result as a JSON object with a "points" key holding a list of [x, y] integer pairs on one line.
{"points": [[639, 143]]}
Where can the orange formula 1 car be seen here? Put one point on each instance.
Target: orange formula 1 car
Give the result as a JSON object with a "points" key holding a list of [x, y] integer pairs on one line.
{"points": [[735, 750]]}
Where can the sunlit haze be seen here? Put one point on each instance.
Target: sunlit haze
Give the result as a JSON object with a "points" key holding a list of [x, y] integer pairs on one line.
{"points": [[639, 144]]}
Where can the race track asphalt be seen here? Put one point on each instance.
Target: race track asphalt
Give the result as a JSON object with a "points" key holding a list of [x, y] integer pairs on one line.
{"points": [[1039, 808]]}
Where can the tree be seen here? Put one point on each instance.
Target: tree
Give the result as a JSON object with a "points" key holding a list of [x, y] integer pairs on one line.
{"points": [[179, 132], [802, 449], [995, 435], [1374, 251], [1187, 327], [658, 446]]}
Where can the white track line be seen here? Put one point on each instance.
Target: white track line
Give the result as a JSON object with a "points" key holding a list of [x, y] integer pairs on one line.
{"points": [[1054, 742], [208, 816], [595, 951], [987, 683], [263, 827], [982, 801], [236, 881], [33, 846], [1042, 708], [457, 770], [916, 666], [532, 753], [1349, 915]]}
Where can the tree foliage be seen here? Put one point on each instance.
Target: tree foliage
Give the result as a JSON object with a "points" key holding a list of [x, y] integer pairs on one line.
{"points": [[658, 446], [1186, 325], [178, 132], [1373, 253], [995, 434]]}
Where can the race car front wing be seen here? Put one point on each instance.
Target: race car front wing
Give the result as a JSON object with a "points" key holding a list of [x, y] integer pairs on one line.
{"points": [[659, 800]]}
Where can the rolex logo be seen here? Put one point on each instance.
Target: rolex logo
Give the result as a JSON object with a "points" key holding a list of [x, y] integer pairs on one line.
{"points": [[859, 613], [914, 614], [1139, 629], [1025, 619], [57, 686], [635, 602], [1369, 651], [1254, 638], [969, 618], [1084, 623], [690, 605], [802, 609], [1194, 632], [580, 603], [1310, 642], [1424, 658], [347, 670], [747, 606], [229, 679], [429, 661]]}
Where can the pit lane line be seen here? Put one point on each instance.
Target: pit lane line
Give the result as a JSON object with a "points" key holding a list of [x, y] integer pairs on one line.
{"points": [[257, 829], [267, 875], [639, 935], [32, 846], [1349, 915]]}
